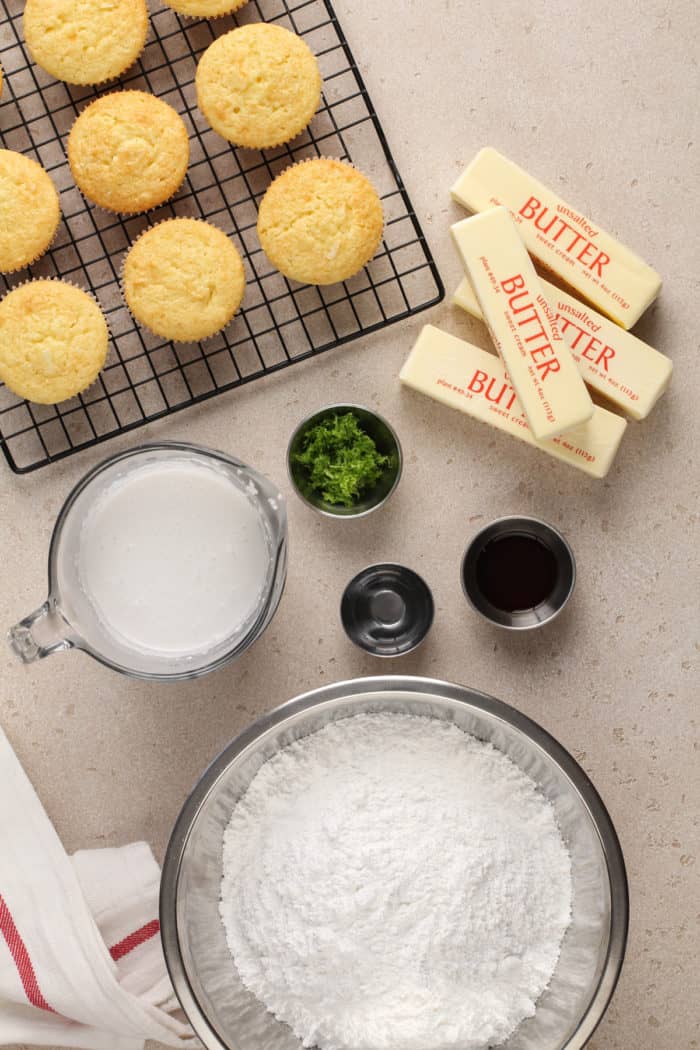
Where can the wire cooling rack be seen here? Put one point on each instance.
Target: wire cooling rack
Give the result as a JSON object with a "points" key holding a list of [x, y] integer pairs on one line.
{"points": [[281, 322]]}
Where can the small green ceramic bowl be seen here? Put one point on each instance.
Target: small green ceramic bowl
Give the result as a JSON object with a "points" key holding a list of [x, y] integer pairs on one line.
{"points": [[387, 443]]}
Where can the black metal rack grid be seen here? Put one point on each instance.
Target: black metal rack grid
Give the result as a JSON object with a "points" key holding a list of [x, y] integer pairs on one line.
{"points": [[281, 322]]}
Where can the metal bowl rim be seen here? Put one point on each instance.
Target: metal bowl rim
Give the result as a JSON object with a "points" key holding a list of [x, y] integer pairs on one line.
{"points": [[431, 607], [348, 406], [499, 709], [513, 518]]}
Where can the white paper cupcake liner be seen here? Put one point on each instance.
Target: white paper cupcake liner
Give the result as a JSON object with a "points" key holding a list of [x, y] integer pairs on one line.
{"points": [[112, 76], [143, 324], [347, 164], [95, 300], [113, 211], [287, 138], [42, 253], [184, 14]]}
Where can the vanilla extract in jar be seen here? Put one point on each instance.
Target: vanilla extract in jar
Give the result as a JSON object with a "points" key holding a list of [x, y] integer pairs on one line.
{"points": [[518, 572]]}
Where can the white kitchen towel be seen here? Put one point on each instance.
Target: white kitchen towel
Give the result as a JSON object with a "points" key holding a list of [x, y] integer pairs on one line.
{"points": [[81, 963]]}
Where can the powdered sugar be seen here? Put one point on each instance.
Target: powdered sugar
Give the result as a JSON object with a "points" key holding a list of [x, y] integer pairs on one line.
{"points": [[391, 883]]}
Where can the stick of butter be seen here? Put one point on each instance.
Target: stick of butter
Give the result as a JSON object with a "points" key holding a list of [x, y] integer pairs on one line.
{"points": [[464, 377], [521, 323], [628, 372], [611, 277]]}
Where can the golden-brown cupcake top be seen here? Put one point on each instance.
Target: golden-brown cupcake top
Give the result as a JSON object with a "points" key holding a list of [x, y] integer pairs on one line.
{"points": [[183, 279], [320, 221], [29, 210], [205, 8], [85, 41], [53, 341], [128, 151], [259, 85]]}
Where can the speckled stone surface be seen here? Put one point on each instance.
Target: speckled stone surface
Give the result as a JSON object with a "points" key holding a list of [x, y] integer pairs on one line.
{"points": [[599, 101]]}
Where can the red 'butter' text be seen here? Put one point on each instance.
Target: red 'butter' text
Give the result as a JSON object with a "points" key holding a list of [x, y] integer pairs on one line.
{"points": [[563, 234], [539, 347], [493, 390], [585, 344]]}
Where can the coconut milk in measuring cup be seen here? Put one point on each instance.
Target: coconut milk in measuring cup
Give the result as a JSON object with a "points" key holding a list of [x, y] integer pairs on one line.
{"points": [[166, 562]]}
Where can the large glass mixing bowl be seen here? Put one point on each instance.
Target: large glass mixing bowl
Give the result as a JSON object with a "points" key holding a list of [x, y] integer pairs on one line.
{"points": [[225, 1015]]}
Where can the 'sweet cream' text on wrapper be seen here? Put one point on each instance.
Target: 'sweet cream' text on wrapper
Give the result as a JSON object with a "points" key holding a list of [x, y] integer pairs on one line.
{"points": [[613, 362], [592, 262], [475, 382], [522, 324]]}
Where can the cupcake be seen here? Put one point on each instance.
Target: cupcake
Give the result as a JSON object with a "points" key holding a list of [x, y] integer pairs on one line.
{"points": [[320, 221], [53, 341], [258, 86], [183, 279], [85, 43], [29, 211], [128, 151], [205, 8]]}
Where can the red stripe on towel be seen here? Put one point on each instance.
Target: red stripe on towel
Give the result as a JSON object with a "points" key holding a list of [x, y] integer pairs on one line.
{"points": [[135, 939], [20, 955]]}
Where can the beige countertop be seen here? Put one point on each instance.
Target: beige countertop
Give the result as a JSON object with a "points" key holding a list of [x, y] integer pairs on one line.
{"points": [[601, 102]]}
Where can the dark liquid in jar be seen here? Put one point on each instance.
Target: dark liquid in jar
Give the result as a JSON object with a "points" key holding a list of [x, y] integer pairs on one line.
{"points": [[515, 573]]}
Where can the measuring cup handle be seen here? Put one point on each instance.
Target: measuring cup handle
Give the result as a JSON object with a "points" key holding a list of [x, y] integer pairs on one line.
{"points": [[40, 634]]}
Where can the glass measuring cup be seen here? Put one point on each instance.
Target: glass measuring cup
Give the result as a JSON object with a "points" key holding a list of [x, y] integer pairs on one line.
{"points": [[69, 619]]}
